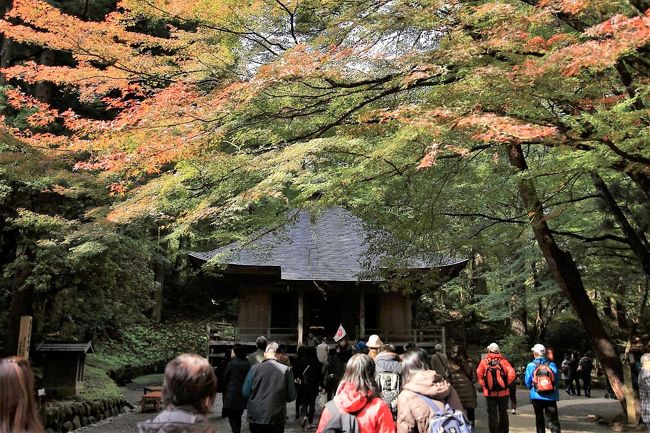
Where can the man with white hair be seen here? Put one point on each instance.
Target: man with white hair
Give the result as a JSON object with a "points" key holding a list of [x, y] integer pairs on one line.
{"points": [[544, 394], [644, 389], [494, 374], [269, 386]]}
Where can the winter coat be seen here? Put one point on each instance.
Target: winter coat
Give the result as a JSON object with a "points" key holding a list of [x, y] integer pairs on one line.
{"points": [[482, 368], [462, 377], [585, 365], [307, 373], [413, 413], [440, 363], [644, 394], [269, 387], [388, 362], [530, 369], [372, 414], [233, 380], [182, 419], [335, 368], [256, 357]]}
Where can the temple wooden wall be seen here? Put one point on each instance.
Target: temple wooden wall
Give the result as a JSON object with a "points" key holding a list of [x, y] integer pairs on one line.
{"points": [[395, 312], [254, 307]]}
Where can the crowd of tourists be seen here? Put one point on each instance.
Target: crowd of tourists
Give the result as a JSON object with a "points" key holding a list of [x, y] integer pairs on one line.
{"points": [[368, 388], [576, 369]]}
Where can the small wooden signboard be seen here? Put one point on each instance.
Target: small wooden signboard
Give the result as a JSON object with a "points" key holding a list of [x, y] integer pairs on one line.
{"points": [[25, 336]]}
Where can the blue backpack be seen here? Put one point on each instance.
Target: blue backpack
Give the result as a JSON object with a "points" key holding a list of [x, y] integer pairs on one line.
{"points": [[446, 420]]}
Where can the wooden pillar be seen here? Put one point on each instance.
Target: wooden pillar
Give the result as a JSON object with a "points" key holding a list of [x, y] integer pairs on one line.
{"points": [[630, 404], [444, 340], [301, 315], [362, 313]]}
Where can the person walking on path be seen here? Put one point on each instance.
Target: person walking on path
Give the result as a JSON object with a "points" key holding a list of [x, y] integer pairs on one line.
{"points": [[18, 410], [541, 380], [421, 387], [494, 374], [189, 390], [269, 386], [336, 366], [387, 360], [574, 375], [644, 389], [585, 365], [513, 390], [358, 399], [565, 368], [439, 361], [234, 402], [388, 367], [306, 371], [258, 356], [462, 376]]}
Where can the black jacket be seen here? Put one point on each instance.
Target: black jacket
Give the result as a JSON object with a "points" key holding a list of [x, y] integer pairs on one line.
{"points": [[233, 380]]}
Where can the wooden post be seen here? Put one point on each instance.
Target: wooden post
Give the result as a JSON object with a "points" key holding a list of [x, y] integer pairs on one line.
{"points": [[362, 313], [630, 404], [25, 336], [444, 340], [301, 314]]}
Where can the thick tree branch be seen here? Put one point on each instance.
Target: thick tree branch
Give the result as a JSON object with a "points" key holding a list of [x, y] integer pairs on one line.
{"points": [[591, 239], [637, 240]]}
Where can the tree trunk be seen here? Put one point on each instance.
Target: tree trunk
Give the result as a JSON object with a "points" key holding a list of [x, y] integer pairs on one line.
{"points": [[637, 241], [44, 89], [477, 280], [519, 310], [567, 275], [638, 173], [21, 304], [6, 44], [156, 313]]}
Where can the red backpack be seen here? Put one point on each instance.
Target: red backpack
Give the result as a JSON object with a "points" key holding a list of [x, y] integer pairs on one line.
{"points": [[543, 378], [495, 376]]}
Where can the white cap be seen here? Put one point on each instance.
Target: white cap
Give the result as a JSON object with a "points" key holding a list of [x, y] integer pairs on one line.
{"points": [[494, 348], [539, 349], [272, 347]]}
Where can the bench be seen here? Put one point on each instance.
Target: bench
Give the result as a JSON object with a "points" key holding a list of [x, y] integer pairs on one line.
{"points": [[152, 388], [150, 401]]}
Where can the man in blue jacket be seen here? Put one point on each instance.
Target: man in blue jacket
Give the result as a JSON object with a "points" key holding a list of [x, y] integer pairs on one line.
{"points": [[544, 392]]}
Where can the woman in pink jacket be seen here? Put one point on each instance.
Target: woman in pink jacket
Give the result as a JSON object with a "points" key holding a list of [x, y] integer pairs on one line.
{"points": [[357, 401]]}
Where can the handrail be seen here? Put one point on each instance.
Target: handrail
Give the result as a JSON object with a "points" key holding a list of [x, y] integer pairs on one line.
{"points": [[233, 333]]}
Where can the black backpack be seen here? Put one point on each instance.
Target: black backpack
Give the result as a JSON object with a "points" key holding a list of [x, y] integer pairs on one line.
{"points": [[340, 422], [495, 377]]}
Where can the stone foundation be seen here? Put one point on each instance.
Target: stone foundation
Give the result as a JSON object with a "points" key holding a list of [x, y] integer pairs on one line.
{"points": [[67, 416]]}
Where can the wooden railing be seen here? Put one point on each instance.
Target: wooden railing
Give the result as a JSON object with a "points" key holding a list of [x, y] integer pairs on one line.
{"points": [[419, 336], [221, 332], [285, 335]]}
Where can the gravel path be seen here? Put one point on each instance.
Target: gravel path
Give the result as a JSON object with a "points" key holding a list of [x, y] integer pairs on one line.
{"points": [[577, 415]]}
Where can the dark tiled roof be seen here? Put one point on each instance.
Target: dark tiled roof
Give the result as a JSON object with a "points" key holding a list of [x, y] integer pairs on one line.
{"points": [[65, 347], [330, 247]]}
